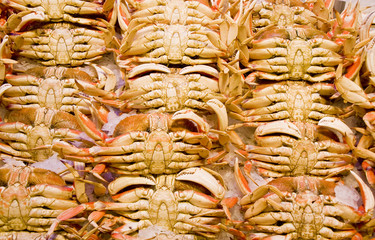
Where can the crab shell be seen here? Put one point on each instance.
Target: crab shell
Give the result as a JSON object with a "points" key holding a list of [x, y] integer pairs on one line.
{"points": [[57, 88], [303, 208], [31, 198], [292, 100], [187, 203], [294, 148], [80, 44], [289, 13], [148, 143], [30, 12], [28, 129], [155, 86]]}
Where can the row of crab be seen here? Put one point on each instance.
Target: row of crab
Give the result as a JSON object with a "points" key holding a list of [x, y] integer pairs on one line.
{"points": [[48, 51], [146, 169], [299, 70]]}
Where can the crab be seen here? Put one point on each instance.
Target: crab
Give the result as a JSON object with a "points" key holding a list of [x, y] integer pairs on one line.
{"points": [[31, 199], [304, 208], [285, 13], [156, 143], [57, 88], [167, 11], [369, 64], [174, 32], [186, 203], [28, 129], [171, 90], [293, 54], [63, 44], [169, 44], [297, 148], [30, 11], [356, 85], [292, 100]]}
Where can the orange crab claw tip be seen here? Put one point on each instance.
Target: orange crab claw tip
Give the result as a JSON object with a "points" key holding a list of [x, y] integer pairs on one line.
{"points": [[71, 212], [248, 166], [357, 236], [240, 179], [237, 233], [99, 168], [123, 237], [229, 202], [216, 158], [96, 216], [242, 153]]}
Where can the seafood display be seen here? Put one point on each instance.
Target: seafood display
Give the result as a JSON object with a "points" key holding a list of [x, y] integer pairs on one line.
{"points": [[186, 119]]}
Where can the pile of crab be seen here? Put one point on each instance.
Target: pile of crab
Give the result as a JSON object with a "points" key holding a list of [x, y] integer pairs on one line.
{"points": [[135, 136], [302, 80], [150, 119], [50, 65]]}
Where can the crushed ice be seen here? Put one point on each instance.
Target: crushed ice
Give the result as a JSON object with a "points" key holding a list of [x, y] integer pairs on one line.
{"points": [[348, 196], [114, 120], [53, 164]]}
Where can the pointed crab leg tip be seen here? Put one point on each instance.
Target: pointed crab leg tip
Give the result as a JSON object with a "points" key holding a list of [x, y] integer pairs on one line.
{"points": [[368, 197], [240, 179], [229, 202]]}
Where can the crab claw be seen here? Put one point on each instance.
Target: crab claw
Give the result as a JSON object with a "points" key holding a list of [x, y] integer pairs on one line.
{"points": [[340, 128], [89, 127], [201, 124], [240, 179], [367, 196], [68, 214], [204, 178], [221, 112], [227, 204], [125, 181], [348, 89], [119, 13]]}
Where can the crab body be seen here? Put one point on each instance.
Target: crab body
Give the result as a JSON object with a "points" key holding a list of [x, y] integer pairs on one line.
{"points": [[31, 199], [289, 13], [169, 91], [149, 143], [186, 203], [298, 149], [301, 208], [62, 44], [298, 53], [28, 129], [293, 100], [53, 87]]}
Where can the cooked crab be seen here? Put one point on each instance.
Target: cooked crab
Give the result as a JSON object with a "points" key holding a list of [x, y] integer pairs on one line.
{"points": [[286, 13], [296, 148], [28, 129], [149, 143], [63, 44], [304, 208], [73, 11], [171, 90], [186, 203], [31, 199], [169, 44], [292, 100], [57, 88]]}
